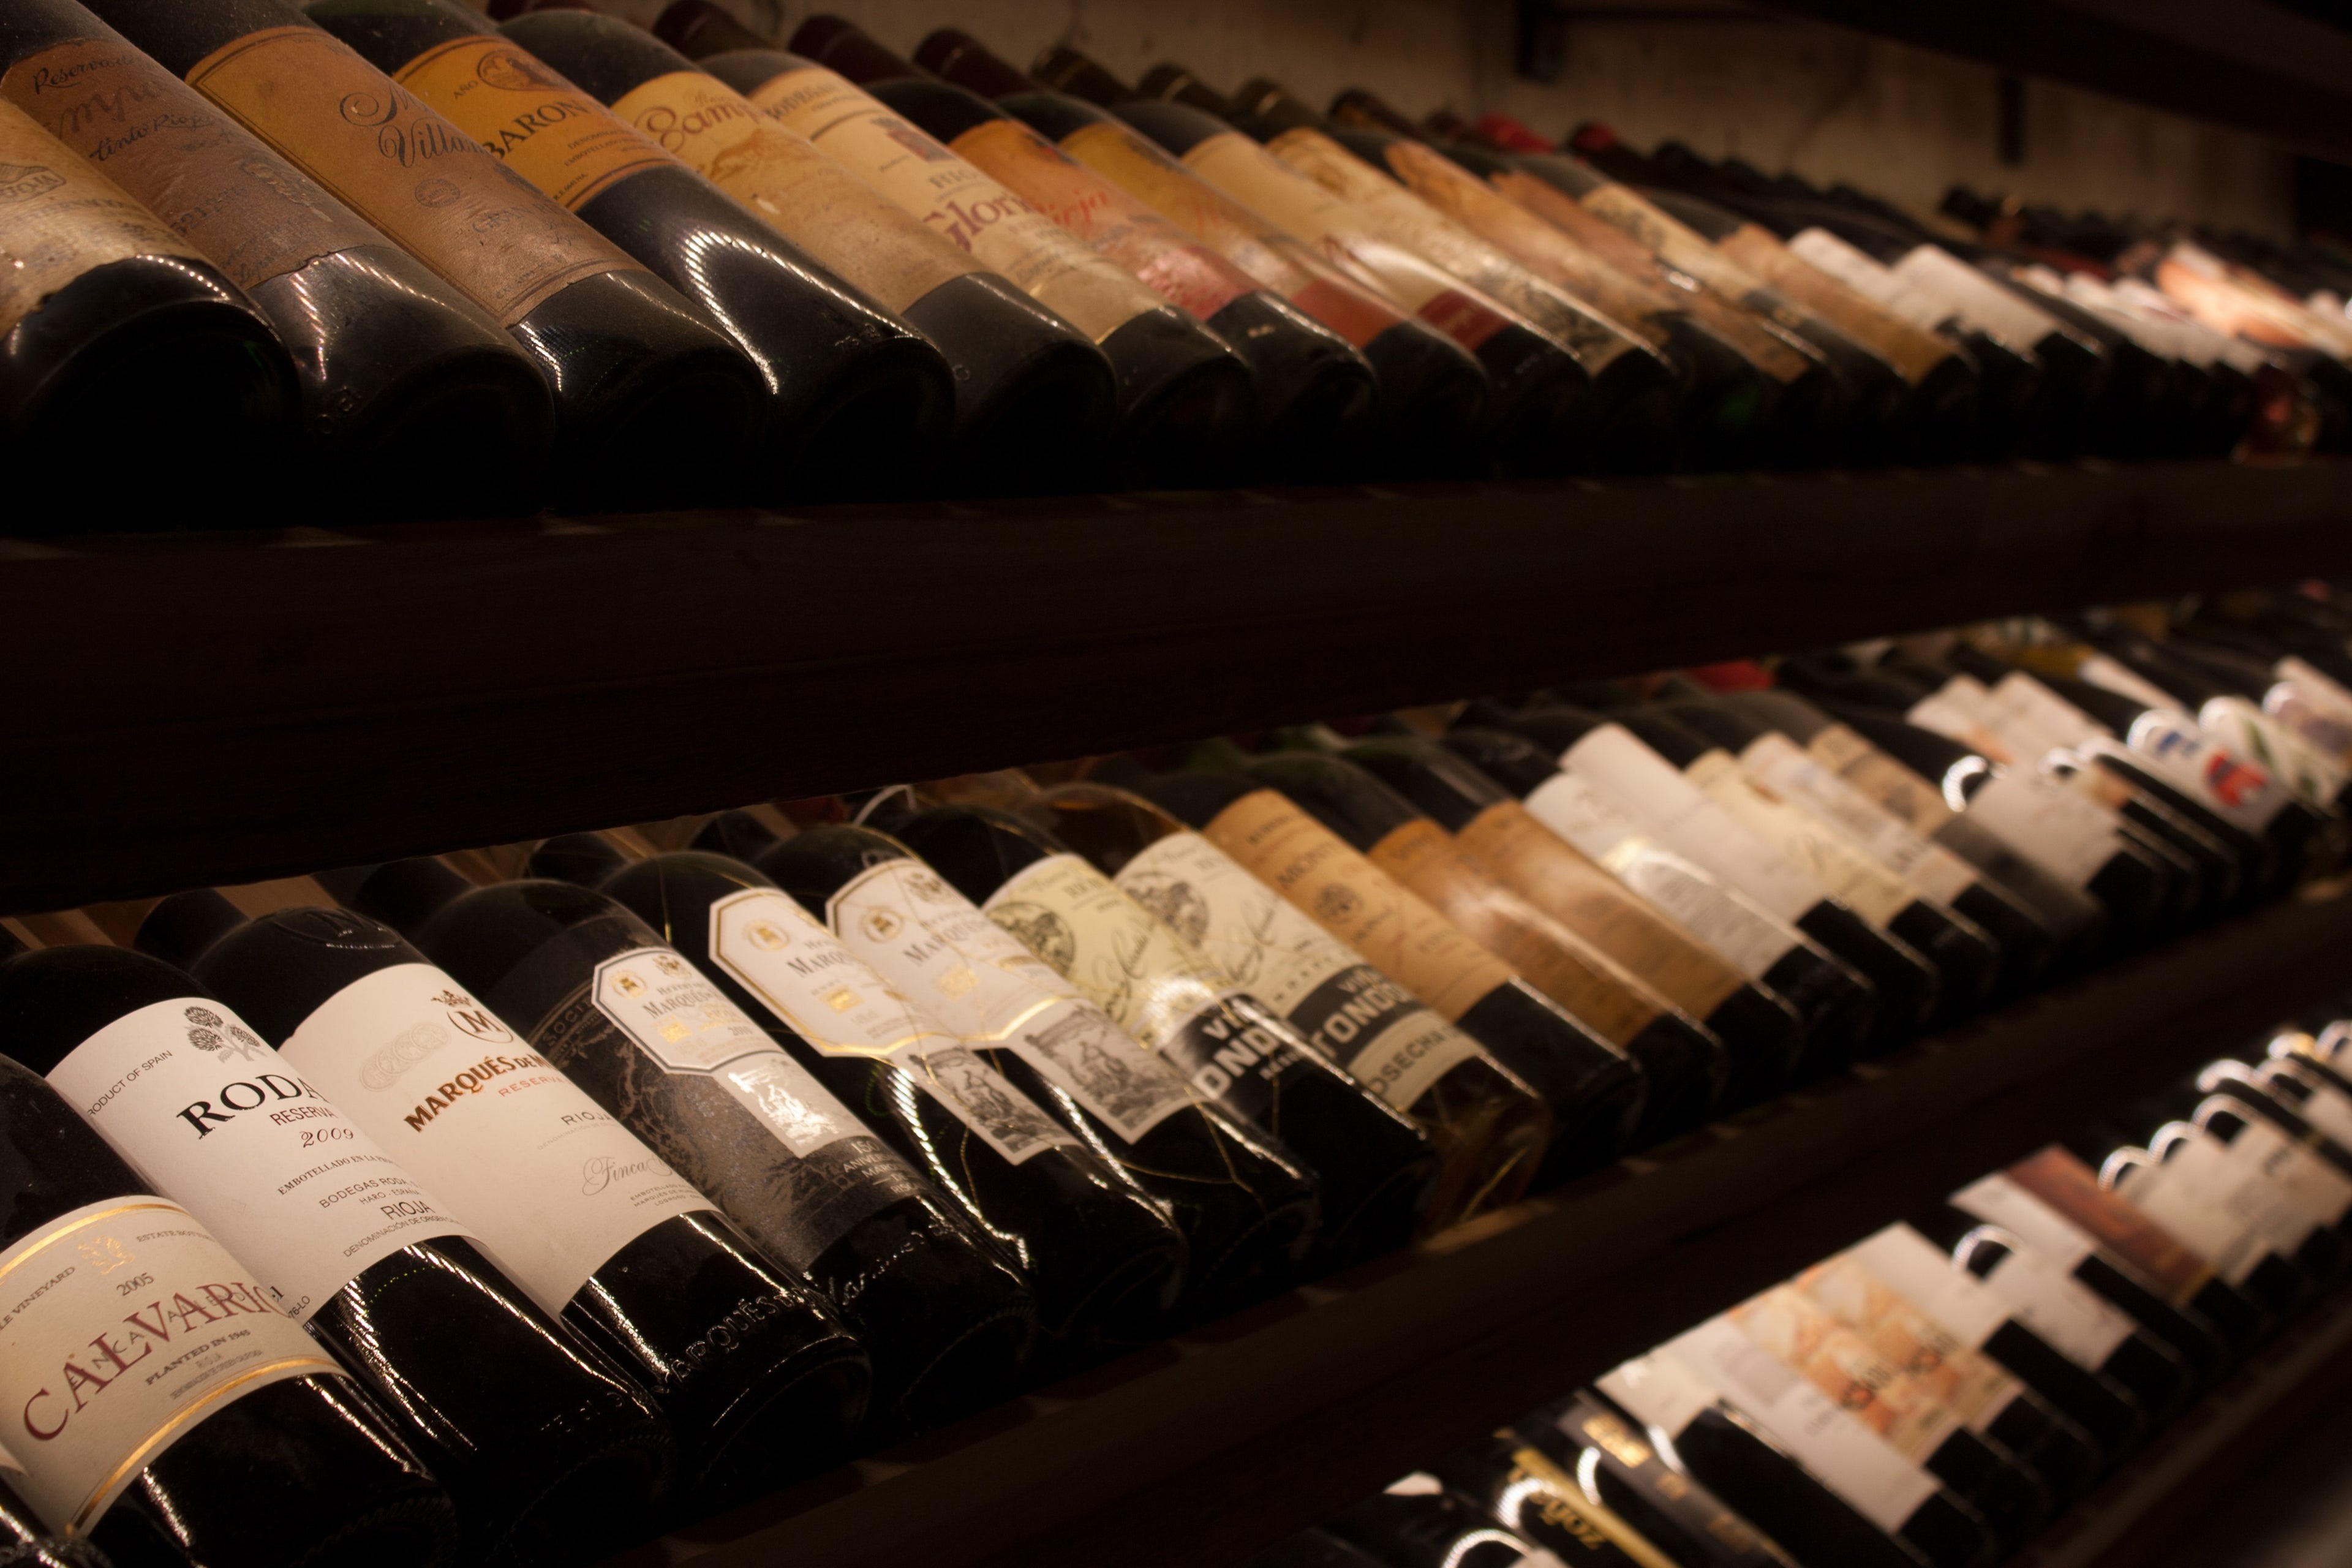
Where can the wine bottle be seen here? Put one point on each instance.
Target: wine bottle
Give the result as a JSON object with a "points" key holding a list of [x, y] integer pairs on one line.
{"points": [[1692, 823], [1593, 1091], [1515, 1486], [1419, 1522], [546, 1448], [24, 1540], [1835, 1004], [946, 1322], [698, 28], [2258, 1107], [2258, 1161], [2298, 1075], [1312, 1549], [2241, 1226], [1102, 1262], [110, 315], [1027, 384], [273, 1410], [652, 401], [1245, 1205], [1540, 395], [1807, 1473], [758, 1381], [1489, 1128], [1762, 1033], [410, 395], [1375, 1168], [1431, 394]]}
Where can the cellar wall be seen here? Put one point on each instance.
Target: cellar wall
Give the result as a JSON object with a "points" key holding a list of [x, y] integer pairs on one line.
{"points": [[1897, 121]]}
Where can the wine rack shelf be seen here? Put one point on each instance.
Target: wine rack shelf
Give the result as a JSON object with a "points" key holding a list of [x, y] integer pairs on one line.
{"points": [[1203, 1450], [371, 692]]}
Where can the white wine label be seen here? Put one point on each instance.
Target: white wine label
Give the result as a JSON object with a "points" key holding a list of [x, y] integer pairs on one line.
{"points": [[1658, 1391], [2171, 746], [2205, 1202], [685, 1023], [204, 1110], [1680, 815], [1999, 1200], [2097, 670], [2047, 823], [2329, 1109], [1904, 297], [1877, 895], [1940, 1371], [1743, 935], [1952, 713], [2236, 724], [550, 1184], [2015, 323], [969, 973], [123, 1325], [1776, 762], [2077, 1322], [1926, 1277], [1346, 1009], [2318, 1189], [1842, 1453], [1877, 1389], [2035, 719]]}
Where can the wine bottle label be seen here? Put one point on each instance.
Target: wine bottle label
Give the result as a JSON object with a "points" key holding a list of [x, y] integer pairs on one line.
{"points": [[833, 999], [2173, 748], [1746, 938], [1666, 1488], [1506, 842], [193, 1101], [2047, 823], [1774, 762], [2317, 687], [1908, 298], [1324, 876], [1548, 957], [550, 1185], [1881, 778], [1555, 1496], [1406, 220], [2042, 1294], [2316, 1187], [1878, 896], [1844, 1455], [2318, 714], [2237, 725], [1112, 223], [2000, 314], [59, 217], [253, 215], [975, 977], [1893, 1405], [123, 1325], [1926, 1277], [2329, 1109], [802, 193], [997, 227], [1913, 353], [404, 168], [1656, 1390], [528, 118], [1342, 234], [2070, 1190], [1928, 1352], [2035, 719], [1350, 1012], [1675, 243], [2111, 675], [1953, 713], [2224, 1213], [1683, 818]]}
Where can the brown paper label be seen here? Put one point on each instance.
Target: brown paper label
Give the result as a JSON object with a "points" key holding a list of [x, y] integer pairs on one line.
{"points": [[2071, 1188], [973, 209], [803, 194], [529, 119], [59, 217], [1359, 904], [253, 215], [1882, 778], [1552, 959], [1911, 350], [404, 168], [1546, 870]]}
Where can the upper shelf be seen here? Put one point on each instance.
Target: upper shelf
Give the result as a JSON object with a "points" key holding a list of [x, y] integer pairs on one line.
{"points": [[2247, 63], [408, 689]]}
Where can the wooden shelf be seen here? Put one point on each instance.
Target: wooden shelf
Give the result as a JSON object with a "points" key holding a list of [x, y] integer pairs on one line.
{"points": [[2250, 64], [1203, 1450], [200, 708]]}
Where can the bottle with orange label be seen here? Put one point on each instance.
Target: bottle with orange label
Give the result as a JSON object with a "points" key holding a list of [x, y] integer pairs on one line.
{"points": [[852, 391], [652, 401], [1027, 384]]}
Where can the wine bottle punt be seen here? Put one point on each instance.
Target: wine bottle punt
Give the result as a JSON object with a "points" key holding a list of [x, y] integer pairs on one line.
{"points": [[946, 1322], [757, 1379], [1102, 1262], [274, 1411], [651, 400], [1027, 384], [1246, 1207], [547, 1449], [411, 397], [1375, 1169]]}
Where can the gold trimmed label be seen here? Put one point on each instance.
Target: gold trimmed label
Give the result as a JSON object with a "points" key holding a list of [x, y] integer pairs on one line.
{"points": [[529, 119], [59, 218], [123, 1325]]}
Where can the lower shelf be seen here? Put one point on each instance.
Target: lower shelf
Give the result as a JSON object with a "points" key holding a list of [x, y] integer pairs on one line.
{"points": [[1204, 1449]]}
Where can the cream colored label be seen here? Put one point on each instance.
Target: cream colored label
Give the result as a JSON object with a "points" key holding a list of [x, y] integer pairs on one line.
{"points": [[2240, 726], [1903, 297], [199, 1107], [2225, 1215], [1775, 762], [1843, 1364], [2316, 1187], [2049, 824], [1133, 965], [2007, 319], [1881, 778], [529, 119], [975, 977], [404, 168], [1927, 1278], [802, 194], [2033, 718], [1878, 896], [972, 209], [1936, 1360], [59, 218], [1913, 352], [123, 1325], [550, 1184]]}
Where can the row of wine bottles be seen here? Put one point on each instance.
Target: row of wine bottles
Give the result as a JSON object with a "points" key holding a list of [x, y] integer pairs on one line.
{"points": [[396, 254], [513, 1202], [1933, 1396]]}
